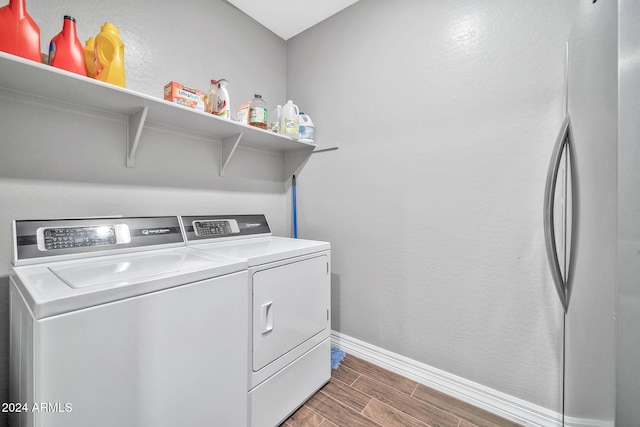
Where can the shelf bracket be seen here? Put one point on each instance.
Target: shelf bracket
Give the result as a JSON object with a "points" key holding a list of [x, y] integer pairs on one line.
{"points": [[134, 130], [295, 161], [227, 148]]}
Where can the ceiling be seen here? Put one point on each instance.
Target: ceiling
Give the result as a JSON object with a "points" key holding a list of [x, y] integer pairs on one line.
{"points": [[287, 18]]}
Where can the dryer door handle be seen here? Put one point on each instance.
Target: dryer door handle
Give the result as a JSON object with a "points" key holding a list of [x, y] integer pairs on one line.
{"points": [[267, 317]]}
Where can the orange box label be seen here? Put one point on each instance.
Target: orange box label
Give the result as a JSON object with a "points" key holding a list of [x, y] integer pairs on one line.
{"points": [[184, 95]]}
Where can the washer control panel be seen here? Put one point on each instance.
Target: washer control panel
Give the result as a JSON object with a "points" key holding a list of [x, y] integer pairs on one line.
{"points": [[215, 227], [78, 237], [44, 240]]}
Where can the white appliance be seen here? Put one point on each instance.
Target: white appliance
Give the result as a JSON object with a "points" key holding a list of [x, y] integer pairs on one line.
{"points": [[289, 339], [115, 323]]}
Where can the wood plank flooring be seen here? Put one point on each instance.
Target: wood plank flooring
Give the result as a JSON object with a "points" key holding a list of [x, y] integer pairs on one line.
{"points": [[361, 394]]}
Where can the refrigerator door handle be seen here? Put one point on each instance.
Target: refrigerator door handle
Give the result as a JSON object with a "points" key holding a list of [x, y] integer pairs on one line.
{"points": [[549, 201], [575, 212]]}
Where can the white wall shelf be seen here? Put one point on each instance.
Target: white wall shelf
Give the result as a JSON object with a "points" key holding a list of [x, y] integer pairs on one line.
{"points": [[52, 86]]}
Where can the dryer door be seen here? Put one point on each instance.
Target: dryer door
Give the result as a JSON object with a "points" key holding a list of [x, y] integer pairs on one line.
{"points": [[290, 305]]}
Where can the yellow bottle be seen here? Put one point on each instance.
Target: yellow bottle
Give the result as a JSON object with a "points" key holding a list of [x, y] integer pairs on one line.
{"points": [[109, 55], [89, 59]]}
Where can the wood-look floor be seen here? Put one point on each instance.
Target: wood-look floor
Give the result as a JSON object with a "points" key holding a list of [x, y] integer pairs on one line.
{"points": [[362, 394]]}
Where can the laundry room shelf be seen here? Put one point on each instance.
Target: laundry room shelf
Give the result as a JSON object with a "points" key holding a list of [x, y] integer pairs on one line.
{"points": [[51, 86]]}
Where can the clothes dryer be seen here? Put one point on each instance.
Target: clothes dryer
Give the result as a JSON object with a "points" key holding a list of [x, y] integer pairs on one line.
{"points": [[289, 299], [114, 322]]}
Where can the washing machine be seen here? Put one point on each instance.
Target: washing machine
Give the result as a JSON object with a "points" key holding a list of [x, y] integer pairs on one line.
{"points": [[115, 322], [289, 300]]}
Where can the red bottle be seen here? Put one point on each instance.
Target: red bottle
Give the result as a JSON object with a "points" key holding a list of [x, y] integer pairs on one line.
{"points": [[19, 34], [65, 49]]}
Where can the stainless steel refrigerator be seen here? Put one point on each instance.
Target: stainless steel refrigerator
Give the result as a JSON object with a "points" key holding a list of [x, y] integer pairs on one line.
{"points": [[581, 216]]}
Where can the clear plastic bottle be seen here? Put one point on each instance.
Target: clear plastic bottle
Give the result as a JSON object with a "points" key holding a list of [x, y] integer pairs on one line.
{"points": [[275, 119], [211, 98], [224, 104], [258, 112]]}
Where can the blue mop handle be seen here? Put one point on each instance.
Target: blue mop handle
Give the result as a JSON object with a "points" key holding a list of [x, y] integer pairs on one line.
{"points": [[295, 208]]}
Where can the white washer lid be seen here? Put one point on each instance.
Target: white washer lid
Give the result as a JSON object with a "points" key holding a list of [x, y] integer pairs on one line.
{"points": [[128, 271], [263, 250], [63, 286]]}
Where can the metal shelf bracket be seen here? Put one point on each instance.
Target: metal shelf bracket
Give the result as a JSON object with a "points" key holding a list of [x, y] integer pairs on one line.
{"points": [[134, 130], [227, 149]]}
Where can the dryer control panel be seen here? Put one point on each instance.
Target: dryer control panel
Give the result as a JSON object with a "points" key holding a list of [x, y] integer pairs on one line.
{"points": [[215, 227], [206, 228]]}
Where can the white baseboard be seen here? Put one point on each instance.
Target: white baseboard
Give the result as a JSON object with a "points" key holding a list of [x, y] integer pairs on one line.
{"points": [[491, 400], [582, 422]]}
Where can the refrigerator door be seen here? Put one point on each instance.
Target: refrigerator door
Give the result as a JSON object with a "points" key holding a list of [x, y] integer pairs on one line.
{"points": [[628, 309], [590, 324]]}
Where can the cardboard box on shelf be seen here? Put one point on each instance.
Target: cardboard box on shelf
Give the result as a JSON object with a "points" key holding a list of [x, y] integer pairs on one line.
{"points": [[184, 95]]}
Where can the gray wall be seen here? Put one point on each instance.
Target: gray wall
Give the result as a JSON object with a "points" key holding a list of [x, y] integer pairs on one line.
{"points": [[61, 163], [628, 410], [446, 113]]}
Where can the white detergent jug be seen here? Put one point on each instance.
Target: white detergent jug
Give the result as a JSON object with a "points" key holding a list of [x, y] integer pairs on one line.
{"points": [[290, 118], [305, 128]]}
